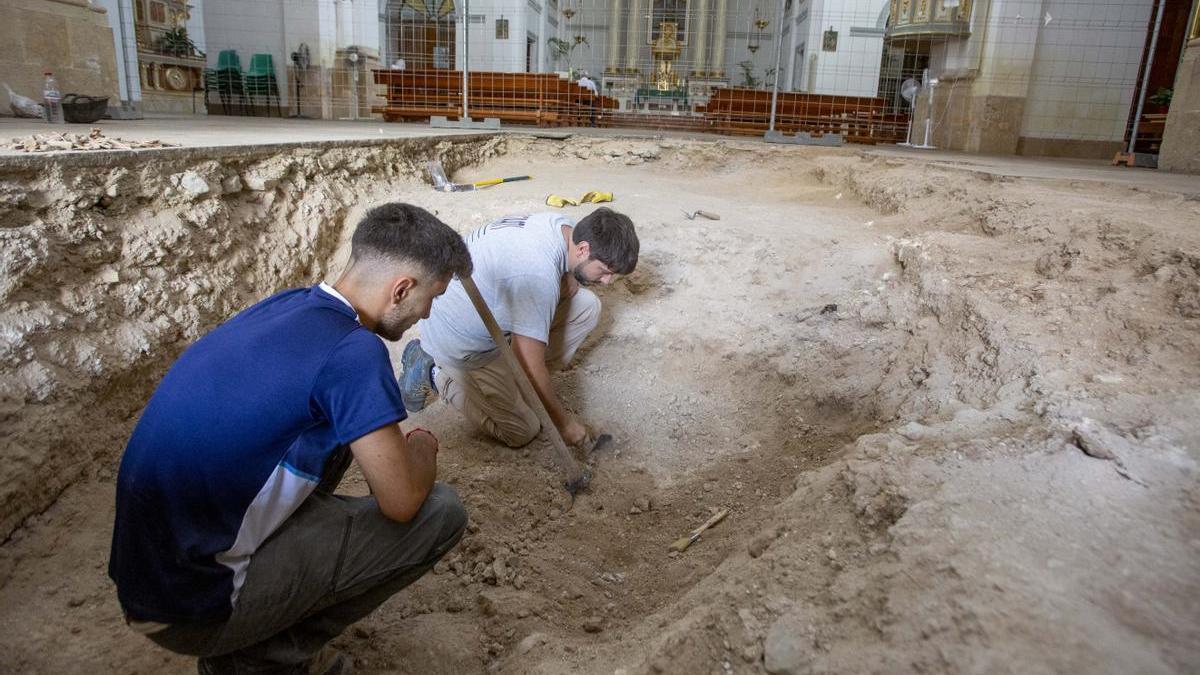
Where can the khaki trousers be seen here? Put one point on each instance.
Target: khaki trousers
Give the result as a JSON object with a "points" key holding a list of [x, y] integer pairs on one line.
{"points": [[489, 397]]}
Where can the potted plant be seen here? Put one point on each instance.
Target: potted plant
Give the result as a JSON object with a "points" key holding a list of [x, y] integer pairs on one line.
{"points": [[561, 49], [176, 42]]}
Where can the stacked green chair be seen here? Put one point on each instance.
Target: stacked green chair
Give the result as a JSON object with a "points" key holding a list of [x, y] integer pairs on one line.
{"points": [[211, 86], [227, 80], [260, 81]]}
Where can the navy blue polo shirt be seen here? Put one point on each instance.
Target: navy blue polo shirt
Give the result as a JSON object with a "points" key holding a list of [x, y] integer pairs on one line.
{"points": [[232, 442]]}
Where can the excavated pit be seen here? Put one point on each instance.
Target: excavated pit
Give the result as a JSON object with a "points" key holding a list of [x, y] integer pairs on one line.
{"points": [[951, 412]]}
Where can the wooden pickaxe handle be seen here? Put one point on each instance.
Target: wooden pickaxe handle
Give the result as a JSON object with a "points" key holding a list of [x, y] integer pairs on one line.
{"points": [[716, 518], [577, 475]]}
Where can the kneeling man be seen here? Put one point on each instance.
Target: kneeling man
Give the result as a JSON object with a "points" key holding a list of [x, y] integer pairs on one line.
{"points": [[529, 270], [229, 543]]}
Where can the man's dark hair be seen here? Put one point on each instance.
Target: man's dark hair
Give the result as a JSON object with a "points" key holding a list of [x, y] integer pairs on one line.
{"points": [[403, 232], [611, 238]]}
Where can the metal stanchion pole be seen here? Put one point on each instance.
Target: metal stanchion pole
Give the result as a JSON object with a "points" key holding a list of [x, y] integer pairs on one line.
{"points": [[466, 59], [1137, 118], [800, 137], [778, 62], [465, 121]]}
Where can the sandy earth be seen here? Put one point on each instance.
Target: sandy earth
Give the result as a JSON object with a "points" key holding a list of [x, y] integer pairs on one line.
{"points": [[953, 416]]}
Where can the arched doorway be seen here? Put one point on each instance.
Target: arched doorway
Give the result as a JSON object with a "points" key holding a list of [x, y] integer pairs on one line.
{"points": [[419, 34]]}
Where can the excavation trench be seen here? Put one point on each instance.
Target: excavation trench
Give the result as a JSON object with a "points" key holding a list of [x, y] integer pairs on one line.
{"points": [[835, 364]]}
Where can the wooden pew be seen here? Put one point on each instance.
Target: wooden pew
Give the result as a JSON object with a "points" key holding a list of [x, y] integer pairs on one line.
{"points": [[748, 112], [528, 98]]}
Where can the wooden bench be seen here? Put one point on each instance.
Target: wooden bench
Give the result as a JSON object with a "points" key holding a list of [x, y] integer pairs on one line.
{"points": [[525, 98], [748, 112]]}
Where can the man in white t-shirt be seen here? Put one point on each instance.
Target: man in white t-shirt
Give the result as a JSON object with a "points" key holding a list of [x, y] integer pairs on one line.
{"points": [[588, 83], [529, 270]]}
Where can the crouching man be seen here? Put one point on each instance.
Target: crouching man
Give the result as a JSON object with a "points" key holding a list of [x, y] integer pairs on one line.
{"points": [[229, 543], [529, 270]]}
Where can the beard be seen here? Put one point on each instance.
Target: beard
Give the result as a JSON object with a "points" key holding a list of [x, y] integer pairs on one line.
{"points": [[394, 324], [578, 274]]}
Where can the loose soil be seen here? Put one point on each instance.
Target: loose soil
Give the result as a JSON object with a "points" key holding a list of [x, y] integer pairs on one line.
{"points": [[953, 416]]}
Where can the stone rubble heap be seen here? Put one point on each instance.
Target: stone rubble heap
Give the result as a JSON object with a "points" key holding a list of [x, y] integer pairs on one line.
{"points": [[93, 140]]}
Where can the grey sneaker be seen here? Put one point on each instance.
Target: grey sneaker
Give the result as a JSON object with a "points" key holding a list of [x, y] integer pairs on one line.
{"points": [[416, 380]]}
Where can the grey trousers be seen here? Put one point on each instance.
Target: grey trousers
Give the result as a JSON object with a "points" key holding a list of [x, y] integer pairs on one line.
{"points": [[332, 563]]}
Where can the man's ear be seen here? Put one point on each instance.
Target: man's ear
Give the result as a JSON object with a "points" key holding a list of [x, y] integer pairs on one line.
{"points": [[584, 248], [401, 287]]}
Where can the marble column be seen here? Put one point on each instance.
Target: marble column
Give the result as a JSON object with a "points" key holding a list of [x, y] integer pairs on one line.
{"points": [[700, 37], [634, 35], [718, 48], [614, 36]]}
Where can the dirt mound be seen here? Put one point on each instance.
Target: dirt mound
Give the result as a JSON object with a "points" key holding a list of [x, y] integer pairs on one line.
{"points": [[952, 415]]}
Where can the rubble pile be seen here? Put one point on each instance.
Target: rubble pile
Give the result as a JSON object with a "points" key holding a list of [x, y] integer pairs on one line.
{"points": [[93, 140]]}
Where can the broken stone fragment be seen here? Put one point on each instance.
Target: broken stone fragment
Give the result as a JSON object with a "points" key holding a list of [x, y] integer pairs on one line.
{"points": [[789, 646], [593, 624], [531, 642], [1087, 437], [260, 183], [487, 604], [192, 184], [914, 431], [231, 185]]}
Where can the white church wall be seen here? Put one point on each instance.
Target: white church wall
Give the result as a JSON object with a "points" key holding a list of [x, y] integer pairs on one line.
{"points": [[852, 68], [1085, 69], [1068, 59], [128, 79]]}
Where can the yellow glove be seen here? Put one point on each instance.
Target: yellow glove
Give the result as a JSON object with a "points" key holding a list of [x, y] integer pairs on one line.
{"points": [[558, 201], [593, 197]]}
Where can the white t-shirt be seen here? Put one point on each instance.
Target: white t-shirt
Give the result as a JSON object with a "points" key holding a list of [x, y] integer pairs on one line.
{"points": [[519, 263], [587, 83]]}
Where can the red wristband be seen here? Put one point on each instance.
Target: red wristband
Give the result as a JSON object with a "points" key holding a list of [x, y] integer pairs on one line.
{"points": [[416, 429]]}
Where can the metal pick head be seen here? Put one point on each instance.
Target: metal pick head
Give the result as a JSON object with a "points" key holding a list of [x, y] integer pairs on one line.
{"points": [[601, 441], [574, 487]]}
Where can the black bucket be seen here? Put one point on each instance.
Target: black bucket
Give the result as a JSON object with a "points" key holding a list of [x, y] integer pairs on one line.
{"points": [[81, 109]]}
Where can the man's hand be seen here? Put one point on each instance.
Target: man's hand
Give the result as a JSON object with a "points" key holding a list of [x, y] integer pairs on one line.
{"points": [[575, 432], [400, 471], [531, 354]]}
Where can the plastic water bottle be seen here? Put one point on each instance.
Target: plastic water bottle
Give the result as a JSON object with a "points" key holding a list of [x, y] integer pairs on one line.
{"points": [[52, 100]]}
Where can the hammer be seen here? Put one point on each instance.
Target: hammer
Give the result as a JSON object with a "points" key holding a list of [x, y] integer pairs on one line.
{"points": [[578, 475]]}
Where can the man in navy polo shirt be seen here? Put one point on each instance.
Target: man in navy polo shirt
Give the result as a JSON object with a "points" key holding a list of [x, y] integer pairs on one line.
{"points": [[229, 543]]}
